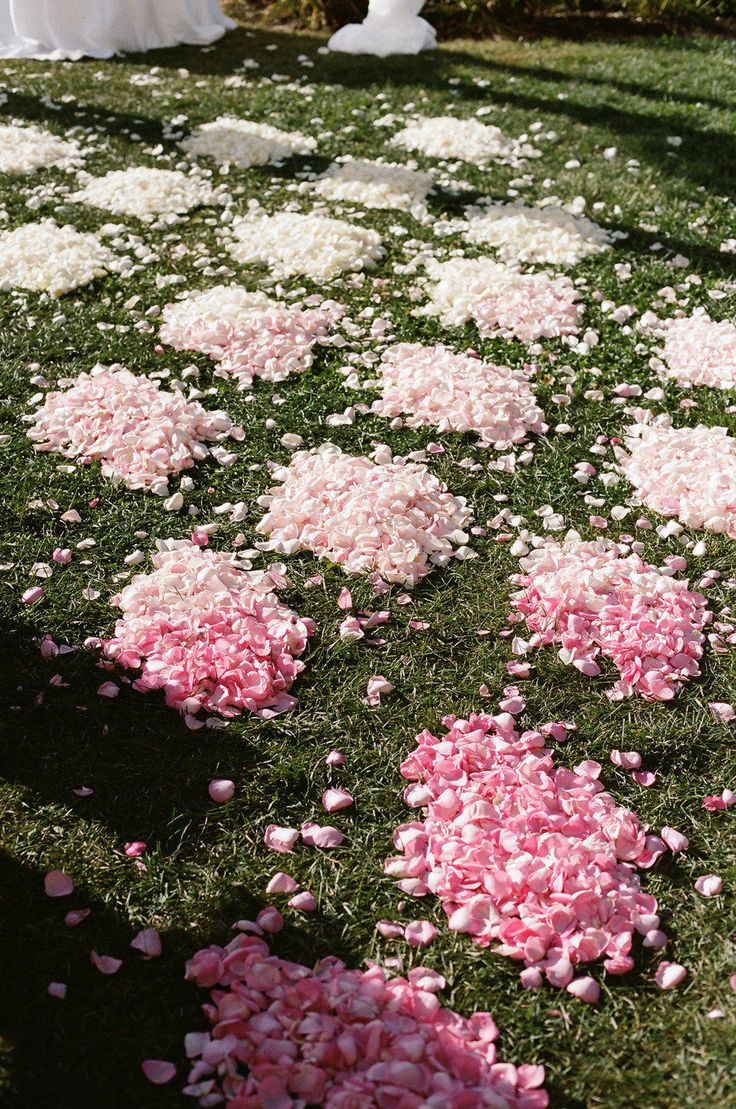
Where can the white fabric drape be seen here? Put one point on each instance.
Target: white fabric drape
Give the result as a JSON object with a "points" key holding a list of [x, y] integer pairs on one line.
{"points": [[99, 28]]}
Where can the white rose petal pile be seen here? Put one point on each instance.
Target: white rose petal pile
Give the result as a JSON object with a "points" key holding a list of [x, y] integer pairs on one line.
{"points": [[547, 235], [25, 149], [146, 193], [376, 185], [469, 139], [317, 246], [44, 257], [245, 143]]}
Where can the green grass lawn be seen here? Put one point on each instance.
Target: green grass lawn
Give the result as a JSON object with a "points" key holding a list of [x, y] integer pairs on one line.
{"points": [[206, 865]]}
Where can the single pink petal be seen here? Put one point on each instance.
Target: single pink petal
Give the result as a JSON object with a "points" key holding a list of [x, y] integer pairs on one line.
{"points": [[627, 760], [669, 975], [62, 555], [722, 711], [389, 929], [324, 836], [83, 791], [75, 917], [109, 689], [148, 942], [135, 848], [335, 758], [644, 778], [58, 884], [304, 901], [280, 839], [158, 1071], [335, 799], [221, 790], [281, 883], [57, 989], [345, 600], [585, 989], [270, 920], [35, 593], [732, 982], [709, 885], [675, 840], [420, 933], [531, 978], [106, 964]]}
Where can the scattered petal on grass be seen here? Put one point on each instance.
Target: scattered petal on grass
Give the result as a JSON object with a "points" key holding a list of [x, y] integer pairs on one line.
{"points": [[335, 799], [420, 933], [675, 840], [135, 848], [585, 989], [722, 711], [280, 839], [669, 975], [324, 836], [305, 902], [148, 942], [75, 917], [709, 885], [158, 1071], [221, 790], [57, 989], [106, 964], [281, 883], [335, 758], [270, 919], [58, 884]]}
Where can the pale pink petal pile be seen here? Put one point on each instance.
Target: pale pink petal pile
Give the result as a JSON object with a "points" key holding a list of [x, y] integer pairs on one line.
{"points": [[139, 432], [537, 858], [210, 635], [395, 518], [435, 387], [592, 601], [687, 472], [502, 301], [253, 337], [700, 351], [284, 1035]]}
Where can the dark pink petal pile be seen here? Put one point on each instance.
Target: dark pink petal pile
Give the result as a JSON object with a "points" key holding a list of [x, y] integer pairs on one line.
{"points": [[248, 334], [593, 600], [139, 432], [284, 1035], [700, 351], [536, 857], [395, 518], [455, 392], [687, 472], [210, 635]]}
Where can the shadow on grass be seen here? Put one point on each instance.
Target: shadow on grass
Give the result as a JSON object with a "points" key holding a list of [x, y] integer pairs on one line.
{"points": [[86, 1050]]}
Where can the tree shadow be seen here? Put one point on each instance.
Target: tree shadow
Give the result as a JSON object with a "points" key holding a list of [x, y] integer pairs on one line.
{"points": [[87, 1049], [709, 157]]}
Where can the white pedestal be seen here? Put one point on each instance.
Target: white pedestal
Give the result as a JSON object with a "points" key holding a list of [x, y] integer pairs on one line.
{"points": [[391, 27]]}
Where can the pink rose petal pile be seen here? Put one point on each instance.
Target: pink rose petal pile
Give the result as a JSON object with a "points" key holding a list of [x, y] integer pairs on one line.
{"points": [[395, 518], [139, 432], [536, 857], [254, 337], [503, 301], [592, 600], [687, 472], [455, 392], [284, 1035], [210, 635], [700, 351]]}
